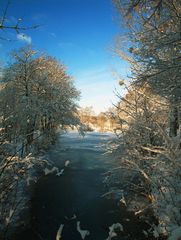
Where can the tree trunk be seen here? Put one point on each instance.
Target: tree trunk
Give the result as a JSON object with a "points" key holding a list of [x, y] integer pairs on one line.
{"points": [[174, 122]]}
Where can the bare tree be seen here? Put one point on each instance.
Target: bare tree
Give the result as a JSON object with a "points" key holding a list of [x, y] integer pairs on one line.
{"points": [[17, 27]]}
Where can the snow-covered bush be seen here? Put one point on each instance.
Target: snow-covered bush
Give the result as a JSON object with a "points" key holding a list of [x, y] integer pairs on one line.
{"points": [[16, 175], [151, 135], [148, 159], [166, 182]]}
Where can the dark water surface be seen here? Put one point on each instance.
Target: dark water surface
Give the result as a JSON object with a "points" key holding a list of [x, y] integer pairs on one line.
{"points": [[78, 191]]}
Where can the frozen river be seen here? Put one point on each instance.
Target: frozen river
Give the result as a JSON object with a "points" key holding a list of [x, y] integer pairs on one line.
{"points": [[78, 192]]}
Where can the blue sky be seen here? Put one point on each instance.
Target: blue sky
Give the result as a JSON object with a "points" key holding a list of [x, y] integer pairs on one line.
{"points": [[80, 33]]}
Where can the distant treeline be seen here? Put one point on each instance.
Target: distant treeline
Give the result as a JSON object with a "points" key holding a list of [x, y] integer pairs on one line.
{"points": [[104, 121]]}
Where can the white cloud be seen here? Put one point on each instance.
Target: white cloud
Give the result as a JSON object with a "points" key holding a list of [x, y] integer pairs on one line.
{"points": [[24, 37]]}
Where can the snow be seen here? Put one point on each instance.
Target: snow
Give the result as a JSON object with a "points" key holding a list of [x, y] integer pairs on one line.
{"points": [[83, 233], [49, 171], [60, 173], [67, 163], [8, 219], [59, 232], [112, 228]]}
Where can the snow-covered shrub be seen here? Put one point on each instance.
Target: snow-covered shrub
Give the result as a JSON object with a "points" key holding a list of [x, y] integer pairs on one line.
{"points": [[151, 135], [166, 182], [148, 159], [16, 175]]}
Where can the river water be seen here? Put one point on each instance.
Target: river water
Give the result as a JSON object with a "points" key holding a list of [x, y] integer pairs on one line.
{"points": [[78, 192]]}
